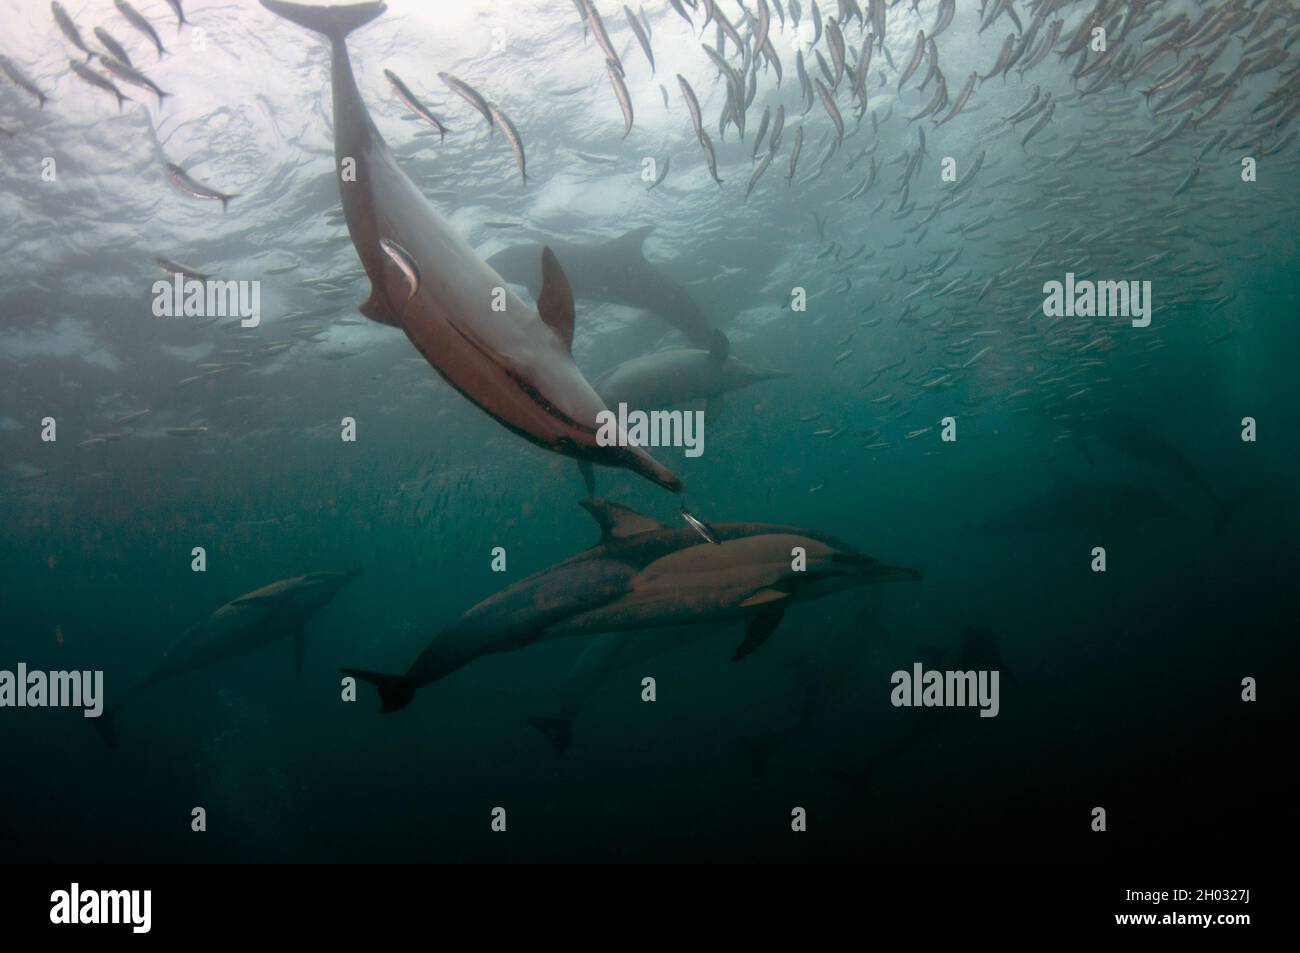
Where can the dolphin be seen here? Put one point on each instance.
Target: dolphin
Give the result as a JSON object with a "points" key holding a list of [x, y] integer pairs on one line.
{"points": [[1079, 504], [274, 612], [513, 362], [606, 655], [674, 376], [1143, 443], [643, 574], [615, 272], [677, 376], [978, 651]]}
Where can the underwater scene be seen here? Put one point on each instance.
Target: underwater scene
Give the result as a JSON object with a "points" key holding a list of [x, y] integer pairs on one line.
{"points": [[683, 431]]}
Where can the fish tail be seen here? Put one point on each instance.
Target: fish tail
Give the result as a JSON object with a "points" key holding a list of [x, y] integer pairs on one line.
{"points": [[395, 691], [558, 731], [334, 22], [225, 200]]}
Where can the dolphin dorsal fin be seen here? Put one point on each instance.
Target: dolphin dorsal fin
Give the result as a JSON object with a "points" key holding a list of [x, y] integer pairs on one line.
{"points": [[619, 522], [555, 303], [631, 242]]}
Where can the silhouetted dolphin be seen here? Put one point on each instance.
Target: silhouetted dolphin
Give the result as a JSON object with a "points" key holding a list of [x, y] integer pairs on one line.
{"points": [[1141, 442], [606, 654], [978, 651], [270, 614], [1080, 504], [516, 364], [677, 376], [643, 574], [615, 272]]}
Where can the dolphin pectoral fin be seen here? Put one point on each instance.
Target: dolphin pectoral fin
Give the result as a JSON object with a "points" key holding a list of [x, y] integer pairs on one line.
{"points": [[299, 648], [588, 477], [618, 522], [761, 627], [375, 309], [764, 596], [555, 303]]}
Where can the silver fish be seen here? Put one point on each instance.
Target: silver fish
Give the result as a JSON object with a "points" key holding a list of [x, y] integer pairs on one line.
{"points": [[414, 104], [512, 136], [192, 187]]}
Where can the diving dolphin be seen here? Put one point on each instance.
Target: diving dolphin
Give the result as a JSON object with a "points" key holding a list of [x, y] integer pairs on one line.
{"points": [[1143, 443], [1079, 504], [643, 574], [270, 614], [512, 361], [615, 272], [677, 376]]}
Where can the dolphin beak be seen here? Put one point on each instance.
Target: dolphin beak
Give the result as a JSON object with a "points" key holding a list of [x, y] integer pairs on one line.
{"points": [[875, 570], [887, 573]]}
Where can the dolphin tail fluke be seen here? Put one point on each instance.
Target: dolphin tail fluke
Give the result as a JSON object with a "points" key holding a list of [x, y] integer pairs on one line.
{"points": [[107, 728], [395, 691], [558, 731], [334, 22]]}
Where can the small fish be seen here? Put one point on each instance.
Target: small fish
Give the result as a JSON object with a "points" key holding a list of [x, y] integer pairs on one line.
{"points": [[843, 357], [129, 74], [602, 37], [94, 79], [758, 174], [469, 94], [136, 20], [185, 271], [14, 73], [128, 418], [692, 104], [641, 37], [710, 156], [180, 14], [663, 174], [111, 44], [70, 29], [512, 136], [620, 90], [400, 257], [701, 527], [414, 104], [794, 154], [185, 431], [190, 186]]}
